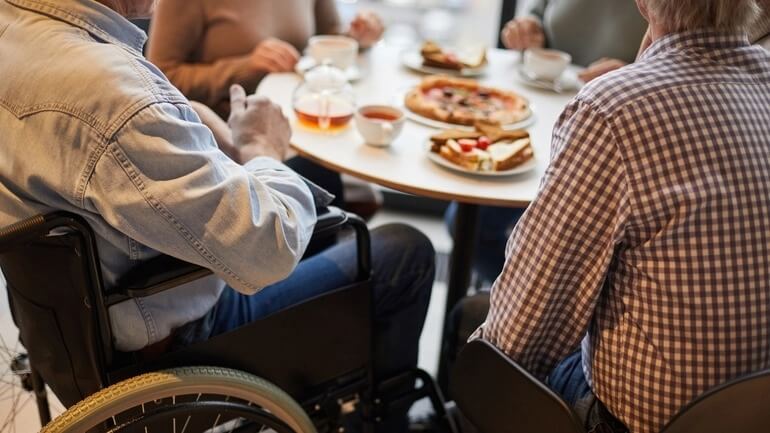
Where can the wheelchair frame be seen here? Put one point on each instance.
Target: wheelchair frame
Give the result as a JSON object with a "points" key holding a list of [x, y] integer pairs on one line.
{"points": [[326, 390]]}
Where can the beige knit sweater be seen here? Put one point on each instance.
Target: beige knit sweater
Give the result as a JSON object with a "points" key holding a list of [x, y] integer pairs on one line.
{"points": [[203, 46]]}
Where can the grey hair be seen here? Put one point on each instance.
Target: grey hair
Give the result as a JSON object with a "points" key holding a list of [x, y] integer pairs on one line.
{"points": [[725, 15]]}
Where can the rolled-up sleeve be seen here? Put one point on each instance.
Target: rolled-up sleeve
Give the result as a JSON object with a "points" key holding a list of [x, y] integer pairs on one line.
{"points": [[163, 182]]}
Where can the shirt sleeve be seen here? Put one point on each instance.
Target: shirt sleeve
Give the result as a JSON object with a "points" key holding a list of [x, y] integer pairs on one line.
{"points": [[178, 28], [559, 253], [327, 18], [163, 182], [535, 9]]}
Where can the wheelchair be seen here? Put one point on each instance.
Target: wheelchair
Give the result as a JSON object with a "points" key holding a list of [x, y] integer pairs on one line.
{"points": [[307, 368], [496, 395]]}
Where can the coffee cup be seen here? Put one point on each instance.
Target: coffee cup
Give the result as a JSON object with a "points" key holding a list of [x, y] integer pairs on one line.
{"points": [[379, 124], [546, 64], [341, 51]]}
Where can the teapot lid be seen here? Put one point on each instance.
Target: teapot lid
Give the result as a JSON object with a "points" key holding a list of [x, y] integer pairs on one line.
{"points": [[326, 77]]}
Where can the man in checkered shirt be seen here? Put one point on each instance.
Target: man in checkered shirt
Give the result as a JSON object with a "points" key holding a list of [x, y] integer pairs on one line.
{"points": [[649, 239]]}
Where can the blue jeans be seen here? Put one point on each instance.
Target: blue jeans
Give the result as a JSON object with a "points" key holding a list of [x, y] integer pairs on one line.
{"points": [[403, 272], [569, 381], [495, 225]]}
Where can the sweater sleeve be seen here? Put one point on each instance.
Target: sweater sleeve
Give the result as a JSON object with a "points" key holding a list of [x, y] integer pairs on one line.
{"points": [[178, 27]]}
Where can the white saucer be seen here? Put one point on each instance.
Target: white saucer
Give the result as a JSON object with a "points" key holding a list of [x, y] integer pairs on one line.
{"points": [[307, 63], [568, 82]]}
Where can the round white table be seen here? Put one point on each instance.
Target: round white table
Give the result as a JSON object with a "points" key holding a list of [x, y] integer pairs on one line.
{"points": [[404, 165]]}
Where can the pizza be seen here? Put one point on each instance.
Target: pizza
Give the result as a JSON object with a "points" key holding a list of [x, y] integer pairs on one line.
{"points": [[464, 102], [485, 149]]}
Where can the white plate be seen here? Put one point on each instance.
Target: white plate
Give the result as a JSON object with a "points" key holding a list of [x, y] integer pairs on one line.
{"points": [[524, 123], [568, 82], [438, 159], [412, 59], [307, 63]]}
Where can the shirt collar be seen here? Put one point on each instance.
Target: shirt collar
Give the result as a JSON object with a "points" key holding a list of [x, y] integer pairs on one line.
{"points": [[706, 38], [94, 17]]}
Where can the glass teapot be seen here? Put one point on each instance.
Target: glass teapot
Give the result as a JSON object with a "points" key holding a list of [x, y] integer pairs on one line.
{"points": [[325, 101]]}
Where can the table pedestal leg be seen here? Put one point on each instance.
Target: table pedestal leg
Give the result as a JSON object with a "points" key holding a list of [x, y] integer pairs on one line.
{"points": [[460, 271]]}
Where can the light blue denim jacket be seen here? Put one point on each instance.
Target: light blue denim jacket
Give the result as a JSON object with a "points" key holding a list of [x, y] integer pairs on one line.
{"points": [[89, 126]]}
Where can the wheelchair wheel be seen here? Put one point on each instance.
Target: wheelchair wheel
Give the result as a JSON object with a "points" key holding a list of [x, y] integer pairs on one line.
{"points": [[186, 400]]}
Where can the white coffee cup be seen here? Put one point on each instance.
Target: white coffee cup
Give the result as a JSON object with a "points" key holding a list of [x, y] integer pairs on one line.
{"points": [[340, 50], [379, 124], [546, 64]]}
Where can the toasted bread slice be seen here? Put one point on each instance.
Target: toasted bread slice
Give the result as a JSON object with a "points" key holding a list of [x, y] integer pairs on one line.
{"points": [[459, 158], [430, 47], [496, 133], [507, 155], [454, 134]]}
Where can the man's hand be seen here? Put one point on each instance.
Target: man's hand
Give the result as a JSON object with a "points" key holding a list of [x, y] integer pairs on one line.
{"points": [[366, 28], [523, 33], [600, 67], [259, 127], [274, 55]]}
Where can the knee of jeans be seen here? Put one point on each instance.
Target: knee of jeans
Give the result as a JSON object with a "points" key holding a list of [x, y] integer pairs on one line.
{"points": [[406, 239], [408, 245]]}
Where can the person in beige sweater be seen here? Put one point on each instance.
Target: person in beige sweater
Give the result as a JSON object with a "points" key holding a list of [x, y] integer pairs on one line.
{"points": [[205, 46]]}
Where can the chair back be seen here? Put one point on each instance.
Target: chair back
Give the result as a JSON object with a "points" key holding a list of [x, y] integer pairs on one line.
{"points": [[498, 396], [53, 286], [739, 406]]}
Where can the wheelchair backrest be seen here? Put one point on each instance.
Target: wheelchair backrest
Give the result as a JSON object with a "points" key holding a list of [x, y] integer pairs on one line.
{"points": [[53, 285]]}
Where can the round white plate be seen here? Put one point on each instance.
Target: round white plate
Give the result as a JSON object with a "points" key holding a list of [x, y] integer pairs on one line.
{"points": [[412, 59], [438, 159], [307, 63], [524, 123], [568, 82]]}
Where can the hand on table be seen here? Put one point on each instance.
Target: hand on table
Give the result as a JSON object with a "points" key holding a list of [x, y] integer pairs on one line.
{"points": [[366, 28], [523, 33], [600, 67], [274, 55], [258, 126]]}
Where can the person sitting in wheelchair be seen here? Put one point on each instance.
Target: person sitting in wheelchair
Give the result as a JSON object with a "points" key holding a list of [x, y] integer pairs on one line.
{"points": [[647, 241], [91, 127]]}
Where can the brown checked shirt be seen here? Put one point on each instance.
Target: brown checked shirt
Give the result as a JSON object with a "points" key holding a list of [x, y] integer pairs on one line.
{"points": [[650, 235]]}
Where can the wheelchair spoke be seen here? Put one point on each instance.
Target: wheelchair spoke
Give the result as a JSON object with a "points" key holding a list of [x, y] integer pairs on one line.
{"points": [[187, 421]]}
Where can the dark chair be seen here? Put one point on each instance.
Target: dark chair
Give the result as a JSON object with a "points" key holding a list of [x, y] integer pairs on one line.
{"points": [[498, 396], [319, 352]]}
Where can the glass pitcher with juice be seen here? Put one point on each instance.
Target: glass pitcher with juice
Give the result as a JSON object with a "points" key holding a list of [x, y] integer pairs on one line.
{"points": [[325, 101]]}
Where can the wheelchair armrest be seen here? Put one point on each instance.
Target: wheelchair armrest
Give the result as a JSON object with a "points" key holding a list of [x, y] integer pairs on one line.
{"points": [[329, 221], [497, 395], [165, 272]]}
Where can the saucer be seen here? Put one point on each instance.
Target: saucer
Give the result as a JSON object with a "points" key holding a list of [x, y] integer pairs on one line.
{"points": [[567, 82], [307, 63]]}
